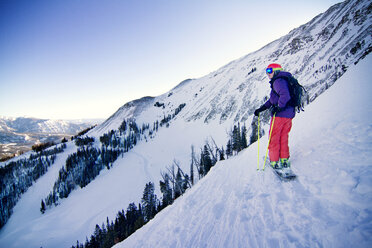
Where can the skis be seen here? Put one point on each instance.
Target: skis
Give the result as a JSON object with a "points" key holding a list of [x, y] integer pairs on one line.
{"points": [[284, 174]]}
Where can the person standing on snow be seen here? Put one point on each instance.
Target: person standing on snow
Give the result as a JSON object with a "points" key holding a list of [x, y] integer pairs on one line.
{"points": [[279, 97]]}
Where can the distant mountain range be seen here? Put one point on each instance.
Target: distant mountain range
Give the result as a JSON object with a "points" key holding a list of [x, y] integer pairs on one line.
{"points": [[17, 135]]}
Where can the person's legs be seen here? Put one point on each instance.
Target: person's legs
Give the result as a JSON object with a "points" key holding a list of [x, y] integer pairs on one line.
{"points": [[274, 146], [284, 147]]}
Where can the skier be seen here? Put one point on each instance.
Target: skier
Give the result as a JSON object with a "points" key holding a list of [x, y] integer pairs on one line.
{"points": [[283, 113]]}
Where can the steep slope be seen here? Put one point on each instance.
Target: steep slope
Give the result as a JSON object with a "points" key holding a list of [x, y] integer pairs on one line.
{"points": [[339, 38], [328, 206], [317, 53]]}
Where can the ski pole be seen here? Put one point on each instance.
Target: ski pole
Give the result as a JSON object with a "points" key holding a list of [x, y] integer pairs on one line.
{"points": [[258, 142], [267, 150]]}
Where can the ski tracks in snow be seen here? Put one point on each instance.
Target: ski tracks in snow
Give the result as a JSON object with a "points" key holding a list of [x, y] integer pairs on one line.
{"points": [[145, 163]]}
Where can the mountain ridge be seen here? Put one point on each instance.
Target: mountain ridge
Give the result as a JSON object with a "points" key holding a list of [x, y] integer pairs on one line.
{"points": [[345, 26]]}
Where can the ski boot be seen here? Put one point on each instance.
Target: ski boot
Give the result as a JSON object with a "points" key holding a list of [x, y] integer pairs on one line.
{"points": [[286, 165], [276, 165]]}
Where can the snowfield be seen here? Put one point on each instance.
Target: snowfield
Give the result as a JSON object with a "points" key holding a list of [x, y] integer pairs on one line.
{"points": [[329, 205]]}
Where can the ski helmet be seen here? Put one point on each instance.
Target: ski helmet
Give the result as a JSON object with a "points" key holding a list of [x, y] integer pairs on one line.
{"points": [[273, 67]]}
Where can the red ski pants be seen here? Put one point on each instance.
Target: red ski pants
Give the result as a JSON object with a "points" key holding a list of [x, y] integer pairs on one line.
{"points": [[278, 147]]}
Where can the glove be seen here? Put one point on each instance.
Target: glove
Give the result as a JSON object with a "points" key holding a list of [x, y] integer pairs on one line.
{"points": [[276, 109], [260, 109]]}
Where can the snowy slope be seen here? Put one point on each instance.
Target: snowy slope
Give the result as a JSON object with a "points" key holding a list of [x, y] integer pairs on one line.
{"points": [[317, 53], [328, 206]]}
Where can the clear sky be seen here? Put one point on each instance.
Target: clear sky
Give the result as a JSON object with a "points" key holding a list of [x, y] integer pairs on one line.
{"points": [[73, 59]]}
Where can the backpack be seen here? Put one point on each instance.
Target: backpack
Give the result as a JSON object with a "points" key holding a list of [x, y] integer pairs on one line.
{"points": [[297, 92]]}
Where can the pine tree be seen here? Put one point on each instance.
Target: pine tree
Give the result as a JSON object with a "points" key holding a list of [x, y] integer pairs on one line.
{"points": [[236, 138], [206, 160], [254, 134], [244, 142], [166, 190], [192, 166], [222, 154], [229, 150], [179, 182], [120, 226], [140, 220], [149, 201], [185, 183], [42, 208]]}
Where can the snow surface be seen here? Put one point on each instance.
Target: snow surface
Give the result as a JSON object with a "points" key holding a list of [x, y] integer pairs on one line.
{"points": [[329, 205], [333, 135]]}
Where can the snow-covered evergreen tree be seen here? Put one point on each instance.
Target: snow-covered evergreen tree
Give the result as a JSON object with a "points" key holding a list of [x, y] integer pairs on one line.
{"points": [[149, 201]]}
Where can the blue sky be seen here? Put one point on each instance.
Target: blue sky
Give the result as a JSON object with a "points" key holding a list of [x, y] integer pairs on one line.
{"points": [[73, 59]]}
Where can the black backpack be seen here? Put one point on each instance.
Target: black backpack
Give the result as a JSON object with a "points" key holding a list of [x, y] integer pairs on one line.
{"points": [[297, 92]]}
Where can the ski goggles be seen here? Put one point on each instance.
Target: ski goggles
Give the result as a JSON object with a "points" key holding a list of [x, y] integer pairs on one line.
{"points": [[271, 70]]}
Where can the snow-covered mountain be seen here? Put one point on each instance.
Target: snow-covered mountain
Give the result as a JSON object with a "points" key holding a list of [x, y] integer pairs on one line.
{"points": [[34, 125], [327, 206], [318, 54], [19, 134]]}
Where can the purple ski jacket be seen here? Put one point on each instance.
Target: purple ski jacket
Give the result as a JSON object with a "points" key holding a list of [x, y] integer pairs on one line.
{"points": [[280, 96]]}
